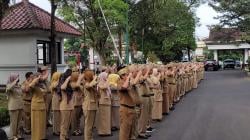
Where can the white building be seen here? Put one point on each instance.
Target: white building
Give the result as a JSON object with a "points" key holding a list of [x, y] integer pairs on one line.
{"points": [[227, 39], [24, 40], [199, 51]]}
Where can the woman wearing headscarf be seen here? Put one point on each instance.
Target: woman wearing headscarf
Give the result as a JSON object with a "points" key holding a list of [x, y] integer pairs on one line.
{"points": [[154, 81], [115, 100], [104, 116], [38, 107], [66, 105], [77, 101], [15, 105], [90, 103], [56, 99]]}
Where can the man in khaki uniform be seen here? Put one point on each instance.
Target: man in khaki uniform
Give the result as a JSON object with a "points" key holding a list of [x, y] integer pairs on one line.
{"points": [[15, 105], [128, 104], [143, 91], [27, 96]]}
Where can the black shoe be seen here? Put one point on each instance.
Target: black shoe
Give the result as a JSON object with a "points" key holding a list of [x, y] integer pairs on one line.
{"points": [[148, 135], [27, 133], [142, 137], [114, 129], [172, 108], [164, 113], [49, 125], [105, 135], [56, 134]]}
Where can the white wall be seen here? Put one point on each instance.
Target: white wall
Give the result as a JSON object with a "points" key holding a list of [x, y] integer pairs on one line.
{"points": [[18, 54], [17, 50]]}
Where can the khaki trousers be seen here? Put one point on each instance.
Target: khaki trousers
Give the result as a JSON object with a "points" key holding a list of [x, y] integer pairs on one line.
{"points": [[135, 131], [56, 121], [38, 124], [104, 120], [144, 117], [127, 116], [76, 118], [115, 116], [172, 93], [15, 119], [66, 117], [89, 117], [27, 116], [157, 110], [164, 103], [48, 107]]}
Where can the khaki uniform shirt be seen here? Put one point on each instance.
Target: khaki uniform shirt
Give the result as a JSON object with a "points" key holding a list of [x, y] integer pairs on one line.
{"points": [[15, 98], [90, 101]]}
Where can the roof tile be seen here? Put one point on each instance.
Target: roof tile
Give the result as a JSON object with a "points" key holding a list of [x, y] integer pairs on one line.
{"points": [[18, 17]]}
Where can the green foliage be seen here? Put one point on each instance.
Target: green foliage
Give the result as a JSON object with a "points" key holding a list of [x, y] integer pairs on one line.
{"points": [[4, 117], [234, 13], [172, 25], [4, 114], [152, 57], [74, 44], [81, 12], [235, 55]]}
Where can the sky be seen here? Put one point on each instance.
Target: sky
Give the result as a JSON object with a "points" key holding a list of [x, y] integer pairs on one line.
{"points": [[204, 12]]}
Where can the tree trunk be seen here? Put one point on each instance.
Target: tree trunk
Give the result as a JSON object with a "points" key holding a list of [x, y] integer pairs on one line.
{"points": [[120, 41], [188, 51], [52, 39]]}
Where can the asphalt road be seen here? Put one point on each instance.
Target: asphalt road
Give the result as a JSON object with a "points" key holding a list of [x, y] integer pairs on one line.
{"points": [[218, 110]]}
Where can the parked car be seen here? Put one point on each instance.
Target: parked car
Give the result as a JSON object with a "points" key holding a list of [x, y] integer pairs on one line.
{"points": [[229, 63], [238, 63], [211, 65]]}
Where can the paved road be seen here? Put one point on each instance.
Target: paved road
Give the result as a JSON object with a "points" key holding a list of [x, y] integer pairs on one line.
{"points": [[218, 110]]}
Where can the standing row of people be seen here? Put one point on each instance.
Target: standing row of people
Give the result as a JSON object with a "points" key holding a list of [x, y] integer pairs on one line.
{"points": [[128, 99]]}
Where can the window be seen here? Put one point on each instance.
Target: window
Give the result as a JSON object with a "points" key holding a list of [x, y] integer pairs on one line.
{"points": [[44, 55]]}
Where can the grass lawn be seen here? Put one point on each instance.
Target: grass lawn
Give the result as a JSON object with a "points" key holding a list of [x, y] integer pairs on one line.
{"points": [[3, 100]]}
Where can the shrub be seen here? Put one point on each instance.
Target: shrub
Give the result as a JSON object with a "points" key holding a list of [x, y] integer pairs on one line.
{"points": [[4, 117]]}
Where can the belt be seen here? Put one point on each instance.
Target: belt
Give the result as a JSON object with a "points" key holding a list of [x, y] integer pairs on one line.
{"points": [[27, 100], [146, 95], [171, 83], [151, 94], [127, 106]]}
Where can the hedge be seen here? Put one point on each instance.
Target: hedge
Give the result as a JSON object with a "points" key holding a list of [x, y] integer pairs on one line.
{"points": [[4, 117]]}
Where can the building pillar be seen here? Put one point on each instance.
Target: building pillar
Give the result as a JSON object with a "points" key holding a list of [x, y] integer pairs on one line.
{"points": [[216, 55], [245, 56]]}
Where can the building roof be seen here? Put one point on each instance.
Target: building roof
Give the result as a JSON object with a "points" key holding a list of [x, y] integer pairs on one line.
{"points": [[25, 16], [224, 35]]}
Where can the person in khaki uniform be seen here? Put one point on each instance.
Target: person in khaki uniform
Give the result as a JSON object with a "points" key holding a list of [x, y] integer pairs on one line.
{"points": [[165, 95], [27, 103], [154, 81], [38, 107], [113, 81], [134, 82], [66, 105], [15, 105], [77, 101], [143, 91], [128, 103], [56, 99], [104, 115], [90, 103], [172, 86], [48, 97]]}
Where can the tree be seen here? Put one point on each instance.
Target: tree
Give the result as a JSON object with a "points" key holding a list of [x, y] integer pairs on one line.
{"points": [[234, 13], [79, 11], [171, 23]]}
